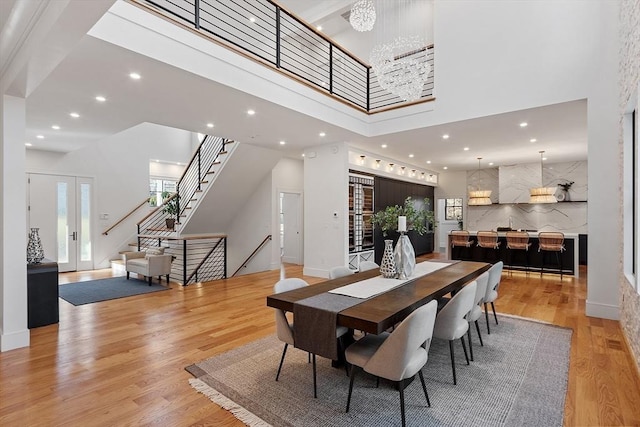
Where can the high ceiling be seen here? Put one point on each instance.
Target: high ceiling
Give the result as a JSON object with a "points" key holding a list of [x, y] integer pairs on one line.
{"points": [[96, 67]]}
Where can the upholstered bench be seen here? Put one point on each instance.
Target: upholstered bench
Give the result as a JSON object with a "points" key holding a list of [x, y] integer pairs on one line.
{"points": [[149, 263]]}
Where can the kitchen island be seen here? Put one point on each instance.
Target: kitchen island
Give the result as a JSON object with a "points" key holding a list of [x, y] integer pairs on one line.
{"points": [[519, 260]]}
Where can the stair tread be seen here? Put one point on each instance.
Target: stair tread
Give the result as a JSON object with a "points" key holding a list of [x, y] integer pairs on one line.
{"points": [[116, 261], [211, 172]]}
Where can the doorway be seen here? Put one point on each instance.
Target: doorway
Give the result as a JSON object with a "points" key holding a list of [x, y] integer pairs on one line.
{"points": [[291, 227], [60, 206]]}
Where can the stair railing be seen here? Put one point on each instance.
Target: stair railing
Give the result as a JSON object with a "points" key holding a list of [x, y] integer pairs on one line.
{"points": [[255, 251], [127, 215]]}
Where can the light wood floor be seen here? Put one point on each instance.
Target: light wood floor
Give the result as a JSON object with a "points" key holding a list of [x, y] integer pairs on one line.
{"points": [[122, 362]]}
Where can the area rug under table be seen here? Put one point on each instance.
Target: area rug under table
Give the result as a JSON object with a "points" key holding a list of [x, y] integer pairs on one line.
{"points": [[90, 291], [519, 378]]}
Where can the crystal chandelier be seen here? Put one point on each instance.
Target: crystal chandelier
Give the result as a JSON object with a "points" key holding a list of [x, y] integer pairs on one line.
{"points": [[399, 67], [479, 197], [363, 15], [542, 194]]}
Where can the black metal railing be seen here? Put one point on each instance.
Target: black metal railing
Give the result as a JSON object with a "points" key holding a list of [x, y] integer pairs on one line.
{"points": [[199, 258], [264, 29]]}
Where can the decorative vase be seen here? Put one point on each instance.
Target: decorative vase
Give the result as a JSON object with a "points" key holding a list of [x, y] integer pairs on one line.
{"points": [[405, 257], [35, 253], [388, 265]]}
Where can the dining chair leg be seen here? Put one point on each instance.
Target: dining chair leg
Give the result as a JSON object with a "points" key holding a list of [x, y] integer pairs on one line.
{"points": [[315, 389], [470, 344], [354, 371], [493, 307], [464, 347], [284, 352], [424, 388], [486, 316], [479, 336], [453, 362], [402, 403]]}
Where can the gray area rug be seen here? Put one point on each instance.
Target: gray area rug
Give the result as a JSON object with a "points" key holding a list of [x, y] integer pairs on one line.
{"points": [[80, 293], [519, 378]]}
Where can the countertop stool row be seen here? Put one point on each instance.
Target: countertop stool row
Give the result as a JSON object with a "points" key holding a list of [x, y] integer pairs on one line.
{"points": [[517, 245]]}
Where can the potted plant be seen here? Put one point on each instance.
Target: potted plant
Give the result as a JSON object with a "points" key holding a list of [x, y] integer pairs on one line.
{"points": [[170, 207], [564, 195], [418, 220]]}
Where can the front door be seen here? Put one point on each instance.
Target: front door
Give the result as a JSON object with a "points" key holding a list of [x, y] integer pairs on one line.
{"points": [[60, 206]]}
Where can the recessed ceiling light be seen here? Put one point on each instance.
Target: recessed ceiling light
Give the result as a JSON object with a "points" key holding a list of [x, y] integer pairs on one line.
{"points": [[445, 136], [178, 163], [251, 112], [411, 155], [523, 124], [491, 164], [319, 28], [252, 18], [157, 161], [40, 136], [302, 154], [446, 167], [56, 127], [384, 146], [532, 140], [135, 76], [74, 115], [322, 134], [209, 125], [100, 98], [282, 142], [428, 162], [28, 144], [544, 158], [466, 148]]}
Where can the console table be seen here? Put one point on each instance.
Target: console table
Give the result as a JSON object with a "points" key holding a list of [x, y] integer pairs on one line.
{"points": [[42, 293]]}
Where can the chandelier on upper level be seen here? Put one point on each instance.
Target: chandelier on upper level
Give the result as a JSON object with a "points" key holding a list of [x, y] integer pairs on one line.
{"points": [[363, 15], [398, 58]]}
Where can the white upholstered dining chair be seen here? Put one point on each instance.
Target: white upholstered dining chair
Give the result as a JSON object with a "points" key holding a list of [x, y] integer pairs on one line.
{"points": [[451, 323], [340, 271], [396, 356], [495, 275], [476, 311]]}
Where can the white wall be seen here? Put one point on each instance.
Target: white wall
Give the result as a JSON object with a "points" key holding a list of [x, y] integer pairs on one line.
{"points": [[288, 176], [450, 185], [120, 168], [326, 190]]}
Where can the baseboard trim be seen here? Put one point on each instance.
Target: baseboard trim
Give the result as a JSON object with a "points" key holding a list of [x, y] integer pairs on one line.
{"points": [[315, 272], [603, 311], [14, 340]]}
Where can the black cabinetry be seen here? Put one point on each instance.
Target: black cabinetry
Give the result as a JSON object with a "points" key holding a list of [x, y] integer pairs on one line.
{"points": [[42, 293]]}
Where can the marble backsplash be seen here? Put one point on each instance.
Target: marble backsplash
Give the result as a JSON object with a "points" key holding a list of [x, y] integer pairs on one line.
{"points": [[568, 217]]}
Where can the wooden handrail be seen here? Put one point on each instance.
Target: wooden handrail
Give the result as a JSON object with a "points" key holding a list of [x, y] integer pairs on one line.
{"points": [[161, 206], [252, 254], [106, 232]]}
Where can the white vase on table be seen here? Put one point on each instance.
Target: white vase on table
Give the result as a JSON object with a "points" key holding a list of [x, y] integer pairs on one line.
{"points": [[405, 257]]}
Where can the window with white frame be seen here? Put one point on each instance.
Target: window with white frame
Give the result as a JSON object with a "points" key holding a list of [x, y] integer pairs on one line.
{"points": [[453, 209], [631, 195]]}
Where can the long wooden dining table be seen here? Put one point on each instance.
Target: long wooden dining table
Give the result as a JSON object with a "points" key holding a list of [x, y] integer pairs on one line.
{"points": [[379, 313]]}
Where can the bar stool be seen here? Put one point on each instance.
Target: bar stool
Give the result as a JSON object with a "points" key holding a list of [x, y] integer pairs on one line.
{"points": [[518, 241], [488, 240], [460, 239], [551, 241]]}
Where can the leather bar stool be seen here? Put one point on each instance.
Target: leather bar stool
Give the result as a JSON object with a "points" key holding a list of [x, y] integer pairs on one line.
{"points": [[518, 241], [488, 241], [551, 241], [460, 239]]}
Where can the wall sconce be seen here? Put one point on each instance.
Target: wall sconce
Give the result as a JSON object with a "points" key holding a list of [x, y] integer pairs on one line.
{"points": [[378, 164], [402, 170], [422, 175], [413, 173], [362, 159], [390, 166]]}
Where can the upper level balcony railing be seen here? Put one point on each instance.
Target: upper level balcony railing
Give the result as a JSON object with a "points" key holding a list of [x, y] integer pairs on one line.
{"points": [[278, 38]]}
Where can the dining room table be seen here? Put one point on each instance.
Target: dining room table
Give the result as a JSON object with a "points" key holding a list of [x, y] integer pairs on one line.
{"points": [[367, 302]]}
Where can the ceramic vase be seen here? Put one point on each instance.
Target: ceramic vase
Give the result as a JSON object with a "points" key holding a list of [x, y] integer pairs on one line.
{"points": [[35, 253], [388, 265], [405, 257]]}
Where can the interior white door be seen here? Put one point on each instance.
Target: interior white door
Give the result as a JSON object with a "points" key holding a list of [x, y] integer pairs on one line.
{"points": [[291, 226], [60, 206]]}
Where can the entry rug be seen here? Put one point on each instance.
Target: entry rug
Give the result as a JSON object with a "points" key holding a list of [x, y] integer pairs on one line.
{"points": [[90, 291], [519, 378]]}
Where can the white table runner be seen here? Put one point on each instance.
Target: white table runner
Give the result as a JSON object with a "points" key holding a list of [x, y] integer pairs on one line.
{"points": [[376, 285]]}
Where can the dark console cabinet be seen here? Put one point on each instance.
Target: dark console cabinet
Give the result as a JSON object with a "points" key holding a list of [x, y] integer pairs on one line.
{"points": [[42, 293]]}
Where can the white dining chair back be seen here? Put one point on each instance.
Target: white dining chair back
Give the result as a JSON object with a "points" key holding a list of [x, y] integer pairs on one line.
{"points": [[368, 265], [284, 329], [476, 310], [340, 271], [397, 356], [451, 322], [495, 276]]}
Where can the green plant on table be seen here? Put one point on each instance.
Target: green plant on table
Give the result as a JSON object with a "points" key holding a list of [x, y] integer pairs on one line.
{"points": [[419, 219]]}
